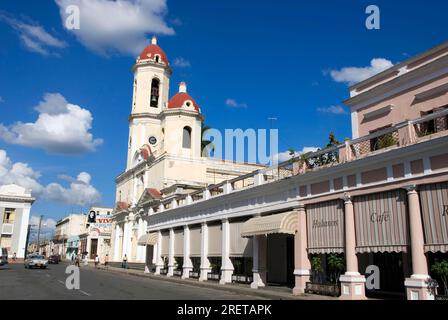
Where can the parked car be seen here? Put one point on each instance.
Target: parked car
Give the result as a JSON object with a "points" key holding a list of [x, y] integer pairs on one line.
{"points": [[36, 261], [3, 256], [54, 259]]}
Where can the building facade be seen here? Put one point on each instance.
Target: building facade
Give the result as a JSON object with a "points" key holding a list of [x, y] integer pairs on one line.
{"points": [[15, 206], [377, 202], [165, 152], [96, 239], [66, 235]]}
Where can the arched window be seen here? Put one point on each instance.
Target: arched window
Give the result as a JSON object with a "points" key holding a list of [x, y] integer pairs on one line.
{"points": [[155, 93], [186, 139], [157, 58]]}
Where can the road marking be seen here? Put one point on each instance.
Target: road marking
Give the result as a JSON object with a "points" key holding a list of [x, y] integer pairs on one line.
{"points": [[61, 282], [83, 292]]}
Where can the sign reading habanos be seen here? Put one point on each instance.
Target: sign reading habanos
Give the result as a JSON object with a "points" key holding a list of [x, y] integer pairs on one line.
{"points": [[325, 223]]}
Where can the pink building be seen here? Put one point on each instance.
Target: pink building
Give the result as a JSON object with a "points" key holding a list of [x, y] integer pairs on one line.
{"points": [[374, 205]]}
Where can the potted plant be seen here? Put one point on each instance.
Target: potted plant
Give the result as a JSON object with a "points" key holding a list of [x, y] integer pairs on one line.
{"points": [[440, 269], [316, 270]]}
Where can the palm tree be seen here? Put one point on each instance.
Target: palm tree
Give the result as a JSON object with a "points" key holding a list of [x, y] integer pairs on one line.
{"points": [[205, 142]]}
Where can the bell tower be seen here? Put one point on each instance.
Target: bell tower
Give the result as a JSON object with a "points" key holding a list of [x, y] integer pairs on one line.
{"points": [[150, 97]]}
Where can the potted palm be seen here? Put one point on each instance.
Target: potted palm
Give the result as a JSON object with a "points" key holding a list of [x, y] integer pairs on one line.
{"points": [[440, 269]]}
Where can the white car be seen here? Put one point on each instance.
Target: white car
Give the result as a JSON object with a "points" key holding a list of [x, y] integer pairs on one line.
{"points": [[36, 261]]}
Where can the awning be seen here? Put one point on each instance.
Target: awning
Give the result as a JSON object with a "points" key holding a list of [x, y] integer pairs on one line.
{"points": [[277, 223], [148, 239]]}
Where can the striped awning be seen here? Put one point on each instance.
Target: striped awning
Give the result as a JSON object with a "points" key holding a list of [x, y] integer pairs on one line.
{"points": [[381, 222], [277, 223], [325, 227], [434, 202], [148, 239]]}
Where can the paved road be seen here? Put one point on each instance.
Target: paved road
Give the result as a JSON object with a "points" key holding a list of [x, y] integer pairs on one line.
{"points": [[16, 282]]}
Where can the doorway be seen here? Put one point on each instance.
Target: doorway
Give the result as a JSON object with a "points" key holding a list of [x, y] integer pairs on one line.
{"points": [[93, 248]]}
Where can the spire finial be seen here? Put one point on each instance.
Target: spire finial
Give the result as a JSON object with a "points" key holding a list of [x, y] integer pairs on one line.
{"points": [[183, 87], [154, 40]]}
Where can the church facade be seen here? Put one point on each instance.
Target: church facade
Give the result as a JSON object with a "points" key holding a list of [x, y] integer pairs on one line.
{"points": [[165, 148]]}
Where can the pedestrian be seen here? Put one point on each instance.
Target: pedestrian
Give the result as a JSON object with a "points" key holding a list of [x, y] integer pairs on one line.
{"points": [[97, 261], [106, 260], [73, 258], [14, 256], [77, 261], [125, 262]]}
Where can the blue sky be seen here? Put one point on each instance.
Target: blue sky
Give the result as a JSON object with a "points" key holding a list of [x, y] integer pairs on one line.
{"points": [[243, 61]]}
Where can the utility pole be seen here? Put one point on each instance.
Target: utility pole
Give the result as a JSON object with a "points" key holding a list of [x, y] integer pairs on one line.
{"points": [[38, 233]]}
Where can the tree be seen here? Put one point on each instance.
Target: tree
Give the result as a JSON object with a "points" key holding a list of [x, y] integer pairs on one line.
{"points": [[336, 266], [440, 268]]}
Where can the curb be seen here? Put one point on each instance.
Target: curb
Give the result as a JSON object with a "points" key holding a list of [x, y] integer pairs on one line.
{"points": [[229, 288]]}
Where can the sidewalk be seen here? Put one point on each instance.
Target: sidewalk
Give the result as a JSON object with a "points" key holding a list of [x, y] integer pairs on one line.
{"points": [[273, 293]]}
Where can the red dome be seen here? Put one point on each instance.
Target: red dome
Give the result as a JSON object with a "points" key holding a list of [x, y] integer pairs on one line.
{"points": [[179, 99], [153, 49]]}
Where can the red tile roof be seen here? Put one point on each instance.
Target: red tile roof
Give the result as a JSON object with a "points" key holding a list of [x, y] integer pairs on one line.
{"points": [[156, 194]]}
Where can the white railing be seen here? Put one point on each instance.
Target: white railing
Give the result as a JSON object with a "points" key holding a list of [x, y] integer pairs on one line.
{"points": [[393, 137]]}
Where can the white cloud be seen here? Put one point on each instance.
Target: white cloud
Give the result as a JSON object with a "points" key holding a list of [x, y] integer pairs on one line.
{"points": [[333, 110], [286, 155], [117, 26], [181, 62], [352, 75], [1, 99], [79, 192], [232, 103], [48, 225], [61, 128], [34, 37]]}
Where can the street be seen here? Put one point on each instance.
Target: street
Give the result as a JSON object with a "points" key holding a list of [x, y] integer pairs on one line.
{"points": [[19, 283]]}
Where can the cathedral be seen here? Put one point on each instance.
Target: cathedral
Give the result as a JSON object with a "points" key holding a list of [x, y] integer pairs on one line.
{"points": [[165, 158]]}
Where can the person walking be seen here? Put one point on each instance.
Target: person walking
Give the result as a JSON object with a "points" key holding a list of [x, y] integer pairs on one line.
{"points": [[77, 261], [73, 258], [106, 260], [14, 257], [97, 261], [125, 262]]}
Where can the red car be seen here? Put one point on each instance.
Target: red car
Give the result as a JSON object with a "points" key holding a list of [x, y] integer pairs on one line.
{"points": [[54, 259]]}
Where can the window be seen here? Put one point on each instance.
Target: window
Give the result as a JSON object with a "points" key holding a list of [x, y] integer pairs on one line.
{"points": [[157, 58], [434, 125], [9, 215], [186, 139], [154, 93]]}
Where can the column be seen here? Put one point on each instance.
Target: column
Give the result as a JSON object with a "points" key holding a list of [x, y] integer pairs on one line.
{"points": [[259, 261], [171, 260], [417, 285], [352, 282], [205, 264], [188, 265], [116, 256], [139, 234], [159, 261], [124, 250], [226, 264], [302, 263]]}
